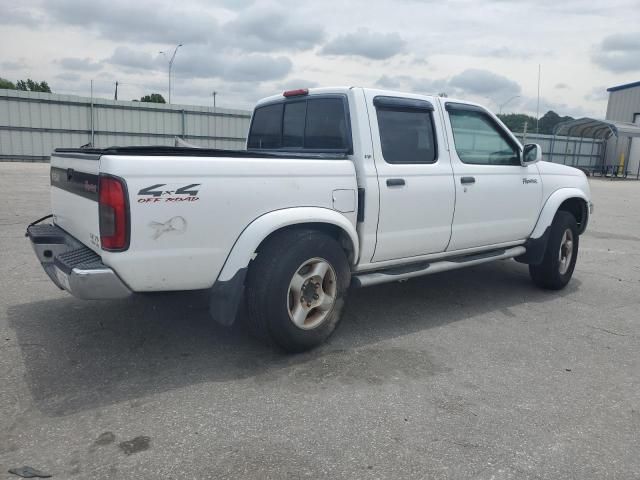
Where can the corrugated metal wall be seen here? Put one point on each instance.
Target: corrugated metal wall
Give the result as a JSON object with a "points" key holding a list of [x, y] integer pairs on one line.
{"points": [[573, 151], [33, 124], [576, 152], [623, 106]]}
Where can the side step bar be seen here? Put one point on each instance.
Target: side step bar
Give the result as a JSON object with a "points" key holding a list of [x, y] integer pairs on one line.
{"points": [[419, 269]]}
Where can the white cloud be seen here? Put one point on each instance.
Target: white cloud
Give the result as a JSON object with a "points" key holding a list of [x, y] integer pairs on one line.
{"points": [[19, 15], [146, 22], [485, 83], [424, 86], [81, 64], [365, 43], [482, 50], [619, 52], [69, 76], [14, 65], [598, 94], [134, 58], [272, 29]]}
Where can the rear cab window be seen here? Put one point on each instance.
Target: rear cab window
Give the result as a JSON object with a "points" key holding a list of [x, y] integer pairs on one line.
{"points": [[310, 123], [266, 131]]}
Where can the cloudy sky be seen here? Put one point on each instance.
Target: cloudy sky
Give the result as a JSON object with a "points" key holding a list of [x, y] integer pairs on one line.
{"points": [[483, 50]]}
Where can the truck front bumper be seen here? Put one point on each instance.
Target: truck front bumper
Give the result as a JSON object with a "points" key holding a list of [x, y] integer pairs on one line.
{"points": [[73, 266]]}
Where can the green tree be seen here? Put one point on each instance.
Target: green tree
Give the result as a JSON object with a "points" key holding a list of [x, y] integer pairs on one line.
{"points": [[515, 121], [153, 98], [549, 120], [4, 83], [29, 85]]}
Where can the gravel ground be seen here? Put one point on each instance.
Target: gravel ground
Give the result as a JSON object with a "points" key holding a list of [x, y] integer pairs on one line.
{"points": [[467, 374]]}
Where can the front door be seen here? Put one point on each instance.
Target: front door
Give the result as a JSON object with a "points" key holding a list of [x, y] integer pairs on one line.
{"points": [[497, 199], [414, 175]]}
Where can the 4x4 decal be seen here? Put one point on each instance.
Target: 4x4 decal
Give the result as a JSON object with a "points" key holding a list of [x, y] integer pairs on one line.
{"points": [[167, 192]]}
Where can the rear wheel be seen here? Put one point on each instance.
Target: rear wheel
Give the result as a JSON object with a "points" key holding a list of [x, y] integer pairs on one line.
{"points": [[560, 256], [296, 288]]}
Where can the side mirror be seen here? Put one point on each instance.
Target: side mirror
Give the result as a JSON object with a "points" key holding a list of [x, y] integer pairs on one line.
{"points": [[531, 154]]}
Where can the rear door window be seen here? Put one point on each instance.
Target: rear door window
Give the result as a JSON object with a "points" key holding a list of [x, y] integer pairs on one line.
{"points": [[406, 129]]}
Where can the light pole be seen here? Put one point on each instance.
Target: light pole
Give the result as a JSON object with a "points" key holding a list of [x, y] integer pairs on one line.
{"points": [[173, 57], [213, 94], [505, 103]]}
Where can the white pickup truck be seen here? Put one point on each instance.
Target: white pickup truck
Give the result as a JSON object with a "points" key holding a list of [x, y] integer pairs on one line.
{"points": [[338, 187]]}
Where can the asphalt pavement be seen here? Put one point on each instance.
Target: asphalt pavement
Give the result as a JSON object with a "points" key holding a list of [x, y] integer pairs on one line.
{"points": [[470, 374]]}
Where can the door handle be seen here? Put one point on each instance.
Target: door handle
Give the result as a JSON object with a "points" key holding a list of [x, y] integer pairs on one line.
{"points": [[395, 182], [467, 180]]}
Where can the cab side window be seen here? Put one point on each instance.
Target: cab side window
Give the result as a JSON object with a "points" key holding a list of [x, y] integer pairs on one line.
{"points": [[479, 140]]}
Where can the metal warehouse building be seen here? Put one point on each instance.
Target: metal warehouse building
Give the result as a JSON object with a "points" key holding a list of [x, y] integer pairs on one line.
{"points": [[619, 133], [624, 106], [33, 124]]}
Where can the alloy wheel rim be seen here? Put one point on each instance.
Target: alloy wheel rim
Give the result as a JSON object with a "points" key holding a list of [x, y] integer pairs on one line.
{"points": [[566, 251], [312, 293]]}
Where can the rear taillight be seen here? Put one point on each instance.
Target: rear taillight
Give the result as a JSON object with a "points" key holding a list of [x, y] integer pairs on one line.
{"points": [[114, 214]]}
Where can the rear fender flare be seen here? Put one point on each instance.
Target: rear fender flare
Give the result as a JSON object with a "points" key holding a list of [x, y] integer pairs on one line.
{"points": [[253, 235]]}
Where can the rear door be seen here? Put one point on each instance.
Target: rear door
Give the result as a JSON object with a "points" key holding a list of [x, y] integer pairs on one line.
{"points": [[497, 199], [414, 176], [74, 196]]}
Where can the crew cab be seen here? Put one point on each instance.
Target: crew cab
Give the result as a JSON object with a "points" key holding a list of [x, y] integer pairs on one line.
{"points": [[337, 188]]}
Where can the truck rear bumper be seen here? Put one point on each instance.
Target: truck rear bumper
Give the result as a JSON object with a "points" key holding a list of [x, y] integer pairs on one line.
{"points": [[74, 267]]}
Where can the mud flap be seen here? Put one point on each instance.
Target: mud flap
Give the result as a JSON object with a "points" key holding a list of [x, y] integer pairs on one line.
{"points": [[226, 297], [535, 249]]}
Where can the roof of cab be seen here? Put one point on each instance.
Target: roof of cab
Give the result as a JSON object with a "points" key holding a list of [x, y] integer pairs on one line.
{"points": [[374, 91], [312, 91]]}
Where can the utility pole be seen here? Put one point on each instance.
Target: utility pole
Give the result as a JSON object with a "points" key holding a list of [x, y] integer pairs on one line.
{"points": [[215, 139], [91, 112], [115, 97], [538, 105], [173, 57]]}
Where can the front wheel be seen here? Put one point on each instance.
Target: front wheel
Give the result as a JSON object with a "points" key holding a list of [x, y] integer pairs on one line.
{"points": [[560, 256], [296, 288]]}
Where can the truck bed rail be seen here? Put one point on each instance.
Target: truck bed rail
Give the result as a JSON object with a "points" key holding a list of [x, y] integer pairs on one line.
{"points": [[157, 151]]}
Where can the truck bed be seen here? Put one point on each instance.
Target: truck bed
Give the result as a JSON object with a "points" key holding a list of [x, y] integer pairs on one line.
{"points": [[188, 206]]}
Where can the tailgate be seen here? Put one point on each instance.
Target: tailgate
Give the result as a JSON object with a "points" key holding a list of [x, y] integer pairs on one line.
{"points": [[74, 196]]}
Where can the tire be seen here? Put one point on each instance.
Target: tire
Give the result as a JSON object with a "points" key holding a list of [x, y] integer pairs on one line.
{"points": [[296, 288], [557, 266]]}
